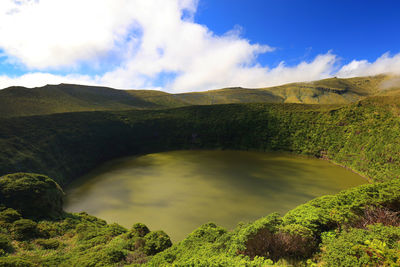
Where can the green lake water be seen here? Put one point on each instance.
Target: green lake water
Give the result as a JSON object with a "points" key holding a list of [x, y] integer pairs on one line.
{"points": [[179, 191]]}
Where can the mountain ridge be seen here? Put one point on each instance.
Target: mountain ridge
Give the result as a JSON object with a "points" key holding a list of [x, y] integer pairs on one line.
{"points": [[21, 101]]}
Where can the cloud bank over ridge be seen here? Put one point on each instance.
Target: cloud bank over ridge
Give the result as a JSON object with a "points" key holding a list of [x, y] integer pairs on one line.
{"points": [[145, 44]]}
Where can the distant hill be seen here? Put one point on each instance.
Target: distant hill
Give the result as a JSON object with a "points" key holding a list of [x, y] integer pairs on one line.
{"points": [[21, 101], [327, 91]]}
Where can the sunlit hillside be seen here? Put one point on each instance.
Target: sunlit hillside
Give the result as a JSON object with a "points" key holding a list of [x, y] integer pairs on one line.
{"points": [[20, 101]]}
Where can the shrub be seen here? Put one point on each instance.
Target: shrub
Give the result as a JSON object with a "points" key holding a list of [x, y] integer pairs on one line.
{"points": [[47, 229], [114, 255], [139, 229], [156, 241], [9, 215], [266, 224], [5, 243], [136, 257], [115, 230], [33, 195], [135, 243], [24, 229], [48, 243], [280, 245], [374, 215], [377, 245]]}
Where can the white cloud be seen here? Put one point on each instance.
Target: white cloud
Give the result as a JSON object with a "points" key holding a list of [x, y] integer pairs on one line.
{"points": [[140, 41], [384, 64], [57, 33]]}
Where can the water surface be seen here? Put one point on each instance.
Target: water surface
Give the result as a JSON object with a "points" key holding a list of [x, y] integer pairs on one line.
{"points": [[178, 191]]}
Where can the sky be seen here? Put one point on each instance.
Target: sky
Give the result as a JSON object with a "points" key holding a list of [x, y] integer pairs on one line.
{"points": [[195, 45]]}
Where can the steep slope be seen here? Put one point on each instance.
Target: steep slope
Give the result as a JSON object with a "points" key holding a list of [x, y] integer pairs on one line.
{"points": [[361, 136]]}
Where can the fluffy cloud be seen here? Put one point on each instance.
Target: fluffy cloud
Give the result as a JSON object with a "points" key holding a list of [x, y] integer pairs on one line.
{"points": [[143, 44], [44, 34], [384, 64]]}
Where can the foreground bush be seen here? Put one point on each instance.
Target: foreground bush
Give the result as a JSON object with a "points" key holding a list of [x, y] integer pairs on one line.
{"points": [[321, 231], [156, 242], [32, 195], [377, 245], [353, 228]]}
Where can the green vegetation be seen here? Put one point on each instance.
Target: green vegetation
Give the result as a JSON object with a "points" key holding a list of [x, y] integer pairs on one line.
{"points": [[33, 196], [69, 239], [357, 227], [353, 228], [362, 136], [20, 101], [325, 230]]}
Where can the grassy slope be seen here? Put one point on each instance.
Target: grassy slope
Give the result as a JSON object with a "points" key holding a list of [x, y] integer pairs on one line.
{"points": [[328, 91], [19, 101]]}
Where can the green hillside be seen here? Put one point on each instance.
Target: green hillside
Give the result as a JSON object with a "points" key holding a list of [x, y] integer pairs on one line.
{"points": [[328, 91], [20, 101]]}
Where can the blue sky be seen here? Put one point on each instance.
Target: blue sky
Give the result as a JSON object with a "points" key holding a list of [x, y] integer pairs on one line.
{"points": [[190, 45], [352, 29]]}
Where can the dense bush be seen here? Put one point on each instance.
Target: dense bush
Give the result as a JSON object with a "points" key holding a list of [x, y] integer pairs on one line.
{"points": [[280, 245], [329, 223], [297, 236], [76, 240], [377, 245], [139, 229], [9, 215], [5, 243], [156, 242], [374, 215], [24, 229], [33, 195]]}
